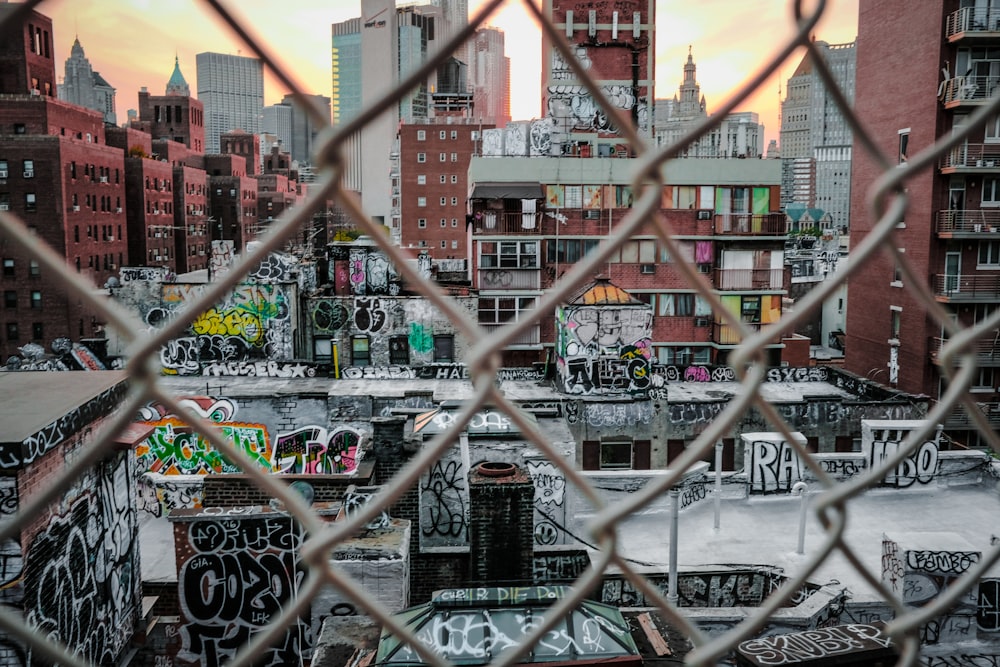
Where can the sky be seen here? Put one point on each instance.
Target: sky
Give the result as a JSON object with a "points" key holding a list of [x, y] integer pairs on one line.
{"points": [[132, 43]]}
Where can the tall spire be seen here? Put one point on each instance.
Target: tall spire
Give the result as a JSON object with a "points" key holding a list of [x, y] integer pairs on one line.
{"points": [[177, 85]]}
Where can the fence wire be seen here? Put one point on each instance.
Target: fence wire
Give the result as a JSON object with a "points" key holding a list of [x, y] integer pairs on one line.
{"points": [[886, 199]]}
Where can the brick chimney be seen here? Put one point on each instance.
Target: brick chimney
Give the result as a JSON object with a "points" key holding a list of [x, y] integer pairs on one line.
{"points": [[501, 515]]}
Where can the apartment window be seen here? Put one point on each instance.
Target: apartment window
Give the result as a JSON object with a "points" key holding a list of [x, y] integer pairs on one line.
{"points": [[30, 201], [993, 129], [421, 157], [454, 244], [36, 299], [508, 254], [454, 134], [421, 135], [989, 254], [991, 191], [454, 157], [444, 201], [444, 348], [12, 333], [33, 269], [454, 201], [443, 157], [422, 223], [569, 251], [444, 178], [616, 454], [985, 379], [454, 178], [422, 201], [442, 134], [750, 309], [574, 196], [37, 331], [904, 141], [895, 316], [10, 299], [360, 352], [498, 310], [454, 222], [677, 305], [421, 179], [444, 244], [29, 168], [399, 350]]}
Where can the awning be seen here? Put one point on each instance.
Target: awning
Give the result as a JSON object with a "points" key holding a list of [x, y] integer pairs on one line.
{"points": [[527, 190]]}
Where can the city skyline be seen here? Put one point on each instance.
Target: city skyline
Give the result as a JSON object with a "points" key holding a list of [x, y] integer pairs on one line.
{"points": [[301, 39]]}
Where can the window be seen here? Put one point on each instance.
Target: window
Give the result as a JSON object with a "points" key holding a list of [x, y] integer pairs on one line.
{"points": [[12, 333], [617, 454], [360, 353], [989, 254], [904, 141], [985, 379], [422, 223], [750, 309], [399, 350], [444, 347], [29, 168], [36, 299], [454, 244], [443, 178], [454, 157], [421, 135], [993, 129], [443, 134], [443, 157], [37, 331], [421, 179], [444, 222], [508, 254], [3, 169], [454, 222], [8, 267], [454, 134], [574, 196], [444, 244], [991, 191], [501, 309], [895, 315], [676, 305], [454, 178], [9, 299], [421, 157], [30, 201], [33, 269], [454, 201], [569, 251], [444, 201], [421, 201]]}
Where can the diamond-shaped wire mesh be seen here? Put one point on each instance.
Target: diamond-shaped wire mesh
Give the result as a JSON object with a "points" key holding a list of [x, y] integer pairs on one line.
{"points": [[887, 197]]}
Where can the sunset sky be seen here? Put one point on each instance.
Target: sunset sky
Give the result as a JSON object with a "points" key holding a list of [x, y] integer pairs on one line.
{"points": [[132, 43]]}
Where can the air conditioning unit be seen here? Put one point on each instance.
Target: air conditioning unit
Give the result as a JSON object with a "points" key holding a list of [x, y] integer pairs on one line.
{"points": [[104, 179], [704, 268], [76, 209], [3, 173], [4, 207], [647, 268], [704, 215], [118, 210], [591, 215], [29, 174], [701, 321]]}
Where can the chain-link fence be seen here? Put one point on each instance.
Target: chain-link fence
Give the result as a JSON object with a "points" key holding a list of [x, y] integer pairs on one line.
{"points": [[886, 197]]}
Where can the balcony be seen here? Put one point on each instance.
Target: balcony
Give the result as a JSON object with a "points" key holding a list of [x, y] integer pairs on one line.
{"points": [[973, 23], [501, 223], [509, 279], [986, 350], [749, 279], [751, 224], [967, 288], [972, 158], [530, 338], [959, 419], [723, 334], [968, 224], [963, 91]]}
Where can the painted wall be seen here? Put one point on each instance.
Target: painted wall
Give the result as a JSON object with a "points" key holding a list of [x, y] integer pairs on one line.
{"points": [[603, 349]]}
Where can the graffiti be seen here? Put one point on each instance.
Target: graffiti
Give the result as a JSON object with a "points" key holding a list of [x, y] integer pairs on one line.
{"points": [[329, 316], [81, 583], [790, 374], [550, 483], [222, 256], [11, 569], [695, 413], [359, 497], [703, 589], [526, 374], [442, 372], [378, 373], [63, 429], [173, 448], [160, 495], [369, 314], [86, 359], [988, 605], [8, 496], [697, 374], [813, 644], [920, 466], [232, 322], [618, 414], [207, 407], [772, 466], [692, 493], [271, 369], [480, 422], [443, 501], [558, 566], [949, 628], [128, 274], [892, 565], [420, 338], [273, 268], [951, 563], [576, 105], [237, 575], [842, 468], [962, 660], [311, 450]]}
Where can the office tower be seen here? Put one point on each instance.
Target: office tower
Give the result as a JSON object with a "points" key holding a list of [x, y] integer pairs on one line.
{"points": [[815, 138], [950, 234], [489, 75], [232, 90], [345, 98], [85, 87], [619, 45], [294, 127]]}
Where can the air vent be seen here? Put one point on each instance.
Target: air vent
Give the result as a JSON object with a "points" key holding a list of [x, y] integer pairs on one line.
{"points": [[704, 215]]}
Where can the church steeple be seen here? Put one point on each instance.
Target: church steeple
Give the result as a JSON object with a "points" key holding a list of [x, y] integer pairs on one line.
{"points": [[177, 85], [691, 101]]}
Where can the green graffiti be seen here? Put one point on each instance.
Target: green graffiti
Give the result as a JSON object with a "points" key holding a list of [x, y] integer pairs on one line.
{"points": [[173, 449], [421, 340]]}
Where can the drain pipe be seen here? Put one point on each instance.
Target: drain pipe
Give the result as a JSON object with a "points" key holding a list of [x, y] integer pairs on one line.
{"points": [[718, 484], [675, 497], [799, 489]]}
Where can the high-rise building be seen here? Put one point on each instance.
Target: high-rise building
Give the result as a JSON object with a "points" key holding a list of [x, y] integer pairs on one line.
{"points": [[83, 86], [622, 42], [27, 65], [816, 139], [345, 99], [489, 75], [232, 90], [294, 127], [950, 235]]}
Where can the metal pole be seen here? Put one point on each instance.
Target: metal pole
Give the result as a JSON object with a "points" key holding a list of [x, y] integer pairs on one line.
{"points": [[799, 489], [718, 484], [675, 497]]}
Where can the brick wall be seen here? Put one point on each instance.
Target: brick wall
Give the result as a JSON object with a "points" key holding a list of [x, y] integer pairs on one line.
{"points": [[236, 490]]}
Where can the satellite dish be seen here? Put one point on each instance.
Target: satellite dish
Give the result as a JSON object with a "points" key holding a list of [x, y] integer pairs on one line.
{"points": [[112, 282]]}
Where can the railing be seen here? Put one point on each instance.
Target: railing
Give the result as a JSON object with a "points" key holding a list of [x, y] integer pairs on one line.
{"points": [[972, 19], [749, 279], [509, 279], [501, 223], [967, 287], [982, 221], [751, 224], [968, 89], [972, 156], [986, 351]]}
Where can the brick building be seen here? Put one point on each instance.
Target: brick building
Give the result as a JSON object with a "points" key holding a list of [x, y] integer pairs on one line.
{"points": [[27, 59], [232, 199], [912, 90]]}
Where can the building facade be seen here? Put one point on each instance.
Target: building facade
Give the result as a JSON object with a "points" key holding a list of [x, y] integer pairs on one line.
{"points": [[489, 76], [232, 90], [948, 236], [86, 88]]}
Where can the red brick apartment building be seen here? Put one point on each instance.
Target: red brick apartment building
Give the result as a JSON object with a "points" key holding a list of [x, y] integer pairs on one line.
{"points": [[433, 184], [920, 76]]}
